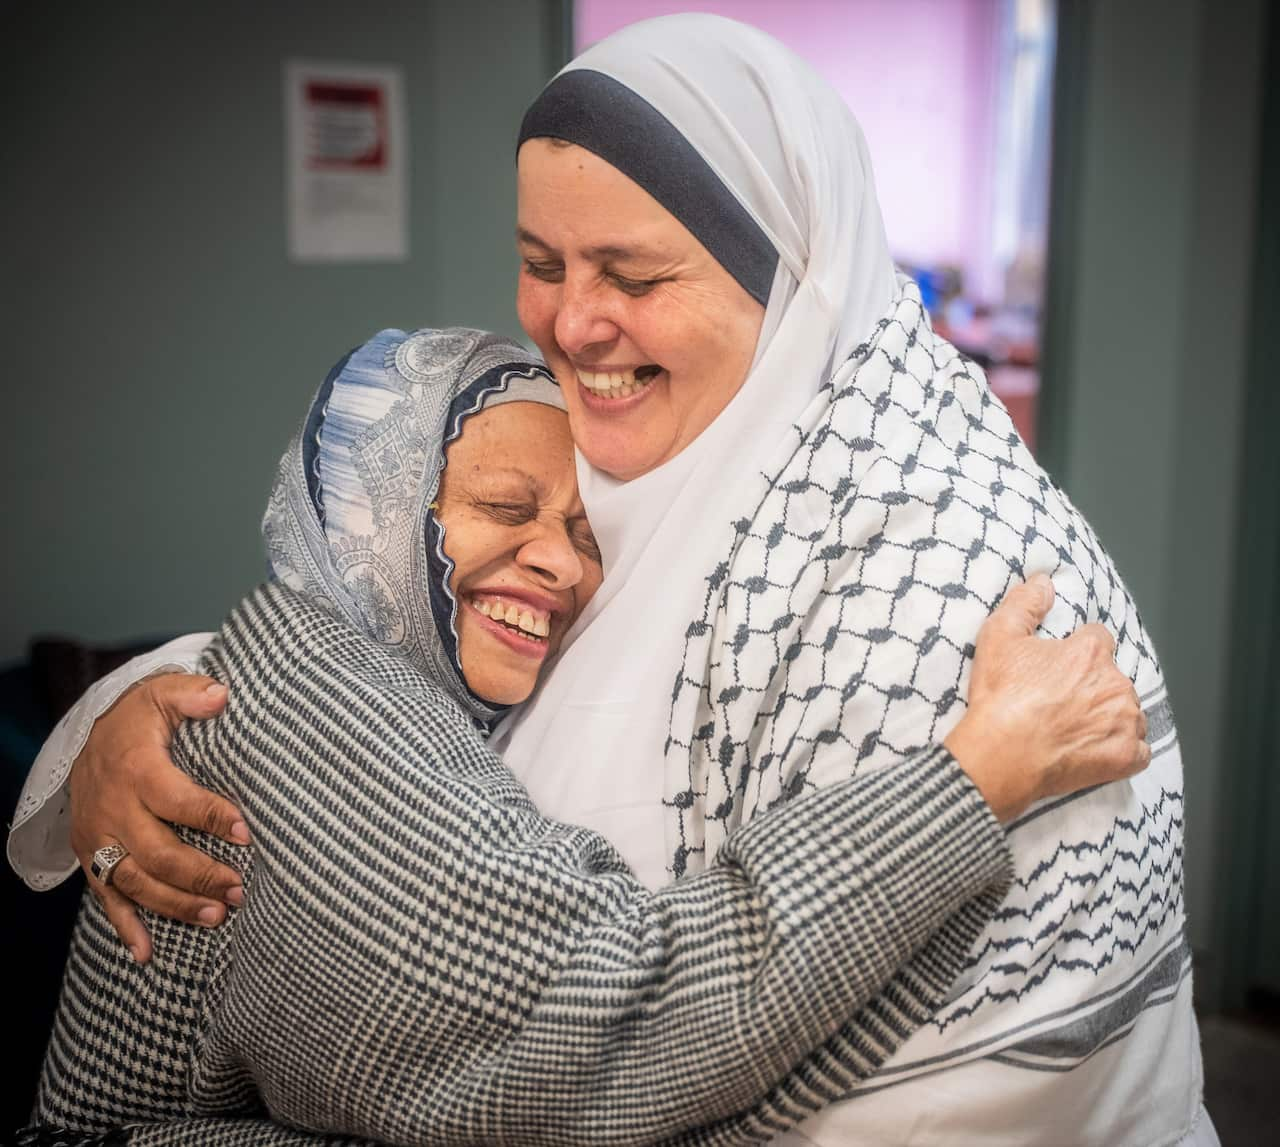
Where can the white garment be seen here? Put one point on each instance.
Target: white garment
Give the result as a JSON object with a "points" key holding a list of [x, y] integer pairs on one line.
{"points": [[590, 746], [787, 149], [39, 847], [1202, 1133], [989, 1104]]}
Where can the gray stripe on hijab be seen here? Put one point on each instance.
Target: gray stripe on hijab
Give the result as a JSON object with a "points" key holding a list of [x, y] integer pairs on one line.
{"points": [[607, 118]]}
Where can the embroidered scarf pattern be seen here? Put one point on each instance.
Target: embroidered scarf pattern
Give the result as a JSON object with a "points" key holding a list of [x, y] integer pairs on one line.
{"points": [[837, 638]]}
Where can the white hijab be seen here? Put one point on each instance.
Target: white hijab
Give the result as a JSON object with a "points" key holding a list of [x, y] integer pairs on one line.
{"points": [[590, 745]]}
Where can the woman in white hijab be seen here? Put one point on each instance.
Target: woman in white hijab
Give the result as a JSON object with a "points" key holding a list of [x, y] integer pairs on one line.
{"points": [[765, 167], [826, 546], [806, 504]]}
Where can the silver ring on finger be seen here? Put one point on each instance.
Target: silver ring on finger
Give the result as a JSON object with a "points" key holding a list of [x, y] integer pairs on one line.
{"points": [[105, 861]]}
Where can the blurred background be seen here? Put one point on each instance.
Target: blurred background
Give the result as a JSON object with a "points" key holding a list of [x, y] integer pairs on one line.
{"points": [[1088, 192]]}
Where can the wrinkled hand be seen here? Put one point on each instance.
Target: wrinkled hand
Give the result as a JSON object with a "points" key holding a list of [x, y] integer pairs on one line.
{"points": [[124, 787], [1045, 717]]}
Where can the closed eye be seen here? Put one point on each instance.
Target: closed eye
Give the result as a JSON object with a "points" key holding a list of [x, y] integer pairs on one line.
{"points": [[544, 270], [584, 541], [509, 513], [633, 287]]}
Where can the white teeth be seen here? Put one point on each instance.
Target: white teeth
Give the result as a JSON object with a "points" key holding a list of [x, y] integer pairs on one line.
{"points": [[612, 384], [513, 615]]}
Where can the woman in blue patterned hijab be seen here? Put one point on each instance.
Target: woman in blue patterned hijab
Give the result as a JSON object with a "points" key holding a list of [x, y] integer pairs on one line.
{"points": [[355, 520]]}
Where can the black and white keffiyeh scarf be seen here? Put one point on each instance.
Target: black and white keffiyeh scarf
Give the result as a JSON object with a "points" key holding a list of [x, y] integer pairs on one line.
{"points": [[836, 639]]}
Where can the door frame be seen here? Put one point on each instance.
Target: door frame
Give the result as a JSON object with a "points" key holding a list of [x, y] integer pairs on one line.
{"points": [[1252, 736]]}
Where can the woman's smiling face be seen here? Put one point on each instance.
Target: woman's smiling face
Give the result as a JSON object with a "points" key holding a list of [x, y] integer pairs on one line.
{"points": [[648, 335], [525, 562]]}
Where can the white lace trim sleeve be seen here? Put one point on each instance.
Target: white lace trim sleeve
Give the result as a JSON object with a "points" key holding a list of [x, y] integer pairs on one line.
{"points": [[39, 848]]}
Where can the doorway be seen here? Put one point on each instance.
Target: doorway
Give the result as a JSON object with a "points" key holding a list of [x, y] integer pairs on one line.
{"points": [[958, 126]]}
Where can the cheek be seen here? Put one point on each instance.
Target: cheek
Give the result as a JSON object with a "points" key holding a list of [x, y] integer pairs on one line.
{"points": [[468, 544], [536, 309], [592, 576], [724, 352], [693, 337]]}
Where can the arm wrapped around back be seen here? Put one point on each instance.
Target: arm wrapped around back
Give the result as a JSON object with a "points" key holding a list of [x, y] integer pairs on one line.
{"points": [[423, 958]]}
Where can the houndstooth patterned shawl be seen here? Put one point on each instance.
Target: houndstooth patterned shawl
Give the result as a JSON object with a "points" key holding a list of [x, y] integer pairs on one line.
{"points": [[422, 958], [836, 640]]}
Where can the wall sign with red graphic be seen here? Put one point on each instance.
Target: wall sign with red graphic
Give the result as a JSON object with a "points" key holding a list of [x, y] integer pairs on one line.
{"points": [[347, 163], [346, 126]]}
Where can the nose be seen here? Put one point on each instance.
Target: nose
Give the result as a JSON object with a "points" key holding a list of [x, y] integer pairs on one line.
{"points": [[550, 556], [582, 320]]}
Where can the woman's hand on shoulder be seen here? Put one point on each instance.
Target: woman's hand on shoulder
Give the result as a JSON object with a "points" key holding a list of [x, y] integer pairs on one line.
{"points": [[123, 789], [1046, 717]]}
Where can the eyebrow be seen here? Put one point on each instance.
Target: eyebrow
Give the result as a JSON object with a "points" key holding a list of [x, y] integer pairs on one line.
{"points": [[523, 476], [525, 236], [607, 251]]}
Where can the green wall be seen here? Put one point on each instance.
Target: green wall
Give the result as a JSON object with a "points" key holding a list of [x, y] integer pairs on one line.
{"points": [[1158, 174], [159, 347]]}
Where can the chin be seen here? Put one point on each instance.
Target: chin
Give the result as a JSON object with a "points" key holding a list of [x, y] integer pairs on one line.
{"points": [[620, 459], [502, 690], [498, 684], [494, 673]]}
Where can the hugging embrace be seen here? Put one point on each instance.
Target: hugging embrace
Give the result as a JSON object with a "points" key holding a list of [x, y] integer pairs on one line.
{"points": [[654, 743]]}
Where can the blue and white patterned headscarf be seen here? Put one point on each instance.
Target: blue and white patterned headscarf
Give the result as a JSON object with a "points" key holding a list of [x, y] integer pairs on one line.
{"points": [[351, 519]]}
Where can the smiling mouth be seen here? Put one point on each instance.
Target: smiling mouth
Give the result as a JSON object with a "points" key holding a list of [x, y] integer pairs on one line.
{"points": [[618, 383], [523, 621]]}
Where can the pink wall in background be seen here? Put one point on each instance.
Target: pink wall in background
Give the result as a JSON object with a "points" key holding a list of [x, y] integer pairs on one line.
{"points": [[919, 74]]}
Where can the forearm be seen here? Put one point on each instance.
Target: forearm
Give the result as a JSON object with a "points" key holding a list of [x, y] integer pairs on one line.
{"points": [[39, 844], [211, 1131], [725, 984], [227, 1132], [500, 975]]}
